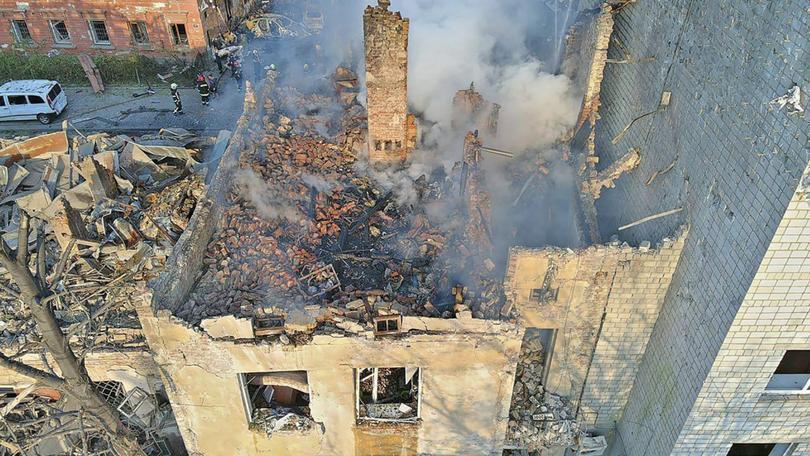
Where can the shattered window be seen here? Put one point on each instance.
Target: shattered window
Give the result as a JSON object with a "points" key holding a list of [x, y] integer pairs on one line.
{"points": [[179, 35], [60, 32], [138, 30], [388, 394], [98, 29], [276, 401], [21, 32]]}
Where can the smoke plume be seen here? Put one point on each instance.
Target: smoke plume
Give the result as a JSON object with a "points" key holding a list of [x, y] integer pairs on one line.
{"points": [[270, 202]]}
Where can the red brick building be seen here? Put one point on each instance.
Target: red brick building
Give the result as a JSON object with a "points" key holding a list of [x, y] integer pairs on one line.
{"points": [[161, 27]]}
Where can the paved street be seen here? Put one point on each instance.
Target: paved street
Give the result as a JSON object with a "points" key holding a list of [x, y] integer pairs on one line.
{"points": [[117, 110]]}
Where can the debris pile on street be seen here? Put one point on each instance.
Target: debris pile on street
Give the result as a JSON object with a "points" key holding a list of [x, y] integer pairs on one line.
{"points": [[538, 419], [102, 212], [303, 202]]}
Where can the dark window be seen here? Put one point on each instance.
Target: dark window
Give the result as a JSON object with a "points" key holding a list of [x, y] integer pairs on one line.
{"points": [[33, 99], [2, 101], [398, 145], [98, 29], [139, 35], [793, 372], [55, 91], [60, 32], [179, 34], [377, 145], [17, 100], [21, 32], [761, 449]]}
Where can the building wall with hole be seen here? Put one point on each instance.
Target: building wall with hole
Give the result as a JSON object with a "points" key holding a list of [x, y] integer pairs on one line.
{"points": [[157, 17], [386, 51], [467, 374], [737, 162], [604, 304]]}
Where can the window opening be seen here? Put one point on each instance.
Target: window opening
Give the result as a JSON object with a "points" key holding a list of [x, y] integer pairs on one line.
{"points": [[138, 30], [21, 32], [388, 394], [792, 374], [60, 32], [98, 29], [179, 34], [276, 401]]}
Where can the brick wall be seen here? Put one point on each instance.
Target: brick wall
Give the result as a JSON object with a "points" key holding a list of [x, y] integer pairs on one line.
{"points": [[157, 17], [603, 301], [386, 50], [639, 286], [737, 164], [774, 316]]}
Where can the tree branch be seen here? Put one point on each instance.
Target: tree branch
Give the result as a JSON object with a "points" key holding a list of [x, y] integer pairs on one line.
{"points": [[22, 238], [33, 373]]}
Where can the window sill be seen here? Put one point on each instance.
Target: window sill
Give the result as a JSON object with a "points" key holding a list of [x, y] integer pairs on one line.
{"points": [[64, 46], [143, 47], [785, 394], [102, 46]]}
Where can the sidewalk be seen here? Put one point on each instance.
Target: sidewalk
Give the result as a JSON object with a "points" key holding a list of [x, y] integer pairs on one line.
{"points": [[117, 110]]}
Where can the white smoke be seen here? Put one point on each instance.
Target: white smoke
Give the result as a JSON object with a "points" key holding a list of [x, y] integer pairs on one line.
{"points": [[455, 42], [271, 203]]}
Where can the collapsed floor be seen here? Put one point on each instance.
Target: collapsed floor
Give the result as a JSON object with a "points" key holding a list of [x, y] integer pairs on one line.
{"points": [[313, 235]]}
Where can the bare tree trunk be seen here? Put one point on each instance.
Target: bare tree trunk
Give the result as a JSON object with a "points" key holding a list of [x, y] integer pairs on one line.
{"points": [[77, 381]]}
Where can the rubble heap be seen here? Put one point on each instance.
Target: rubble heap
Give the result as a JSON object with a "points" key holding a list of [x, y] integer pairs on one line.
{"points": [[538, 419], [310, 234], [103, 212], [279, 419]]}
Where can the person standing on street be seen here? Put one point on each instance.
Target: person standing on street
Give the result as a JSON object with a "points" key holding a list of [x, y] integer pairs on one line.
{"points": [[178, 103], [203, 88]]}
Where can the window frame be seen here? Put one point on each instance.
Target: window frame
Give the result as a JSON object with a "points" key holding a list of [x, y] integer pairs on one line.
{"points": [[41, 100], [175, 32], [773, 386], [141, 27], [52, 24], [357, 372], [16, 31], [94, 35]]}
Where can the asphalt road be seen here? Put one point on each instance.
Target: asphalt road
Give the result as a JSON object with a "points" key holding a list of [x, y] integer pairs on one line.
{"points": [[117, 111]]}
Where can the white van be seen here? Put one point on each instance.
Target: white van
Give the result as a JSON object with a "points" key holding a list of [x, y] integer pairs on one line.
{"points": [[32, 99]]}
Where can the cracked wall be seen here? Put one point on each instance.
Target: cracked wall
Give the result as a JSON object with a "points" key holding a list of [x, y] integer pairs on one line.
{"points": [[468, 369], [573, 292]]}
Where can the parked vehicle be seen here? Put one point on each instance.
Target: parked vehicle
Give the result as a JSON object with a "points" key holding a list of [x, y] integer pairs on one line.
{"points": [[32, 99]]}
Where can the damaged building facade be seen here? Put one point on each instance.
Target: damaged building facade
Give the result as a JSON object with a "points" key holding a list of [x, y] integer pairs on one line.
{"points": [[180, 27], [293, 305]]}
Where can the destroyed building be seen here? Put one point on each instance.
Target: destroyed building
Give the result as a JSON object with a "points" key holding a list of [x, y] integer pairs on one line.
{"points": [[390, 128], [288, 302], [472, 112]]}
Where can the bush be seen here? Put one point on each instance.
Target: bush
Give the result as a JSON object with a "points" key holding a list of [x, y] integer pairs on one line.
{"points": [[114, 69]]}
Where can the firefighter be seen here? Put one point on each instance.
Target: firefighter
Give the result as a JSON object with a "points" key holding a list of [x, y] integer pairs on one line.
{"points": [[257, 65], [178, 104], [236, 71], [203, 88]]}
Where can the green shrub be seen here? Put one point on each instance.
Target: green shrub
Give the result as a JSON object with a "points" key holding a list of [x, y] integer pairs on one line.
{"points": [[115, 69]]}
